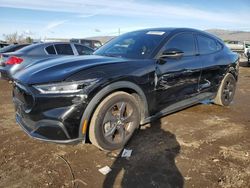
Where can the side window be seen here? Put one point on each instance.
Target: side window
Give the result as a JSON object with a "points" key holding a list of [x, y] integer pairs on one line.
{"points": [[183, 42], [207, 45], [50, 50], [82, 50], [64, 49]]}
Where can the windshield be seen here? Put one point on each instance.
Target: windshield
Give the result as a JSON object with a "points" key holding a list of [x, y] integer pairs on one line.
{"points": [[137, 45]]}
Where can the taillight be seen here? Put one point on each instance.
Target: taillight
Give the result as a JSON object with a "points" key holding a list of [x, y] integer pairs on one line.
{"points": [[14, 60]]}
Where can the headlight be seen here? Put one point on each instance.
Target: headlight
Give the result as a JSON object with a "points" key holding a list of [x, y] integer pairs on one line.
{"points": [[65, 87]]}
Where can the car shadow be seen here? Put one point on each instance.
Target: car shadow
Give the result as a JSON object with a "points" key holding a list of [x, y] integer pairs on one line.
{"points": [[152, 163]]}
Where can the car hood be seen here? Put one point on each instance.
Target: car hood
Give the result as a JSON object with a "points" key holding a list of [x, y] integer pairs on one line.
{"points": [[59, 69]]}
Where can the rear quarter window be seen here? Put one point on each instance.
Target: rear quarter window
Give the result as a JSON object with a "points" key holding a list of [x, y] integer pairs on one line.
{"points": [[50, 50]]}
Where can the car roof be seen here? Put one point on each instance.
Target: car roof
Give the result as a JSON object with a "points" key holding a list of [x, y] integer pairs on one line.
{"points": [[45, 44], [51, 43], [177, 29], [95, 40], [171, 29]]}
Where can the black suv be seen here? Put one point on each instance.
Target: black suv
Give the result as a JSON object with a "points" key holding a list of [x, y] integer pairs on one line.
{"points": [[130, 81]]}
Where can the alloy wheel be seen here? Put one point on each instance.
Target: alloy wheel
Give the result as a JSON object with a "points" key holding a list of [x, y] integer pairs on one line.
{"points": [[118, 123]]}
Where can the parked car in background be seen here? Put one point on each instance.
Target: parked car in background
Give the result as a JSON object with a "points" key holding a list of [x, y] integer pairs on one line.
{"points": [[95, 44], [36, 53], [132, 80], [3, 44], [247, 50], [235, 45], [242, 48], [12, 48]]}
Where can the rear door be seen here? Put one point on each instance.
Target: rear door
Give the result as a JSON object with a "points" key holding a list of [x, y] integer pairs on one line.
{"points": [[212, 63], [177, 79]]}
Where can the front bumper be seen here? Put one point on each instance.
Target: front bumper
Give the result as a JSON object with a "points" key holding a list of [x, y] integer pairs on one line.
{"points": [[52, 118], [47, 131]]}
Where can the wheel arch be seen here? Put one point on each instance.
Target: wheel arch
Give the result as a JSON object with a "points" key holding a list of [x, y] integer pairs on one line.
{"points": [[125, 86]]}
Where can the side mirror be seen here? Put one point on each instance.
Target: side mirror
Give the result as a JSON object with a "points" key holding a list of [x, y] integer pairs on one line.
{"points": [[172, 53]]}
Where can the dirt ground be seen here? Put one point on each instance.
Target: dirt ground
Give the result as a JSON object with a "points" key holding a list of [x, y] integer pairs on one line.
{"points": [[202, 146]]}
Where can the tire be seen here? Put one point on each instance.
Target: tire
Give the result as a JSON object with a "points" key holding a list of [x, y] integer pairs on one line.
{"points": [[226, 91], [114, 121]]}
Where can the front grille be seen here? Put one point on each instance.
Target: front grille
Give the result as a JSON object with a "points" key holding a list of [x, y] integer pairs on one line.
{"points": [[24, 97]]}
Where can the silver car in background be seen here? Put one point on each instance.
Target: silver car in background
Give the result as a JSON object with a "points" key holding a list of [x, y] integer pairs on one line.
{"points": [[10, 63]]}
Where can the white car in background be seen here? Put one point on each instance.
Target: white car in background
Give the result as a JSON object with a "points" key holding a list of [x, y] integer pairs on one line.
{"points": [[243, 48], [235, 45], [247, 50]]}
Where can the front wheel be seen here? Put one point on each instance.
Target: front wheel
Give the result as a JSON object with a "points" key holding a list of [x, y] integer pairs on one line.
{"points": [[226, 90], [114, 121]]}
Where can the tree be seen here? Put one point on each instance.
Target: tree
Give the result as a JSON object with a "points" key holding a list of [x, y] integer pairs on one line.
{"points": [[29, 40], [17, 38], [11, 38]]}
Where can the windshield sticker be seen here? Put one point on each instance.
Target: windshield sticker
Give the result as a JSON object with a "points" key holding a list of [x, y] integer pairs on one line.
{"points": [[155, 32]]}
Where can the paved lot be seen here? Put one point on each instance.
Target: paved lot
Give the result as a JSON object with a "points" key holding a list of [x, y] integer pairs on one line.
{"points": [[202, 146]]}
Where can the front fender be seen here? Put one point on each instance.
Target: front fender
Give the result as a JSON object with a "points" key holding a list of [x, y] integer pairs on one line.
{"points": [[120, 85]]}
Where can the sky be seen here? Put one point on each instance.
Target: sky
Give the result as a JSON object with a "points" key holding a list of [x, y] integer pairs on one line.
{"points": [[86, 18]]}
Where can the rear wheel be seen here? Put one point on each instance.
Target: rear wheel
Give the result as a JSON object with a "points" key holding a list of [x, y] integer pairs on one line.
{"points": [[226, 90], [114, 121]]}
